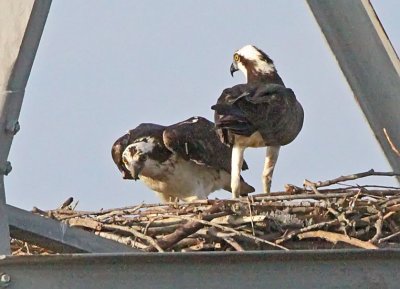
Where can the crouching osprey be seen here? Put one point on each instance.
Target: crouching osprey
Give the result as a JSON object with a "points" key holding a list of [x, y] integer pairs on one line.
{"points": [[262, 112], [184, 161]]}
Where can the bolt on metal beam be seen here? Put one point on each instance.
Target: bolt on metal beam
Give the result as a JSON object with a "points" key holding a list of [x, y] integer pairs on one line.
{"points": [[369, 63], [5, 280], [21, 27]]}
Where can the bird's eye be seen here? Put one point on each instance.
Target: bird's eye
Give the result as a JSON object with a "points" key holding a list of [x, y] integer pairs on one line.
{"points": [[236, 57], [142, 158]]}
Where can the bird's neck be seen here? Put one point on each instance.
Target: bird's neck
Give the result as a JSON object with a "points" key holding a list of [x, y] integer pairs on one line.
{"points": [[272, 77]]}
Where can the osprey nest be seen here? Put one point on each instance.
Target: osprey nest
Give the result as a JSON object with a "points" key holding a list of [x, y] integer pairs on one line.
{"points": [[314, 216]]}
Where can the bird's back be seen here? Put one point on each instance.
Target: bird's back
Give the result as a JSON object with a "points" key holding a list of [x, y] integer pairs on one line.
{"points": [[269, 109]]}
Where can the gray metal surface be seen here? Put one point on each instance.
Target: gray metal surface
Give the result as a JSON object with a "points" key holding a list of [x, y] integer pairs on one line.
{"points": [[369, 63], [4, 232], [56, 235], [21, 27], [273, 269]]}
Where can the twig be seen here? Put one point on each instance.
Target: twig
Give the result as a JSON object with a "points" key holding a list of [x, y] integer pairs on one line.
{"points": [[394, 148], [306, 196], [162, 230], [75, 205], [135, 233], [378, 227], [335, 237], [235, 245], [27, 248], [374, 186], [381, 240], [184, 230], [353, 201], [306, 229], [227, 237], [123, 240], [292, 189], [130, 210], [238, 233], [185, 243], [202, 247], [85, 223], [371, 172], [311, 185], [251, 217]]}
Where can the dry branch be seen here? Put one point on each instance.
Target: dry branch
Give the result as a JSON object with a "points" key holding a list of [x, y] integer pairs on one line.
{"points": [[185, 230], [389, 237], [294, 233], [238, 233], [394, 148], [340, 179], [335, 237]]}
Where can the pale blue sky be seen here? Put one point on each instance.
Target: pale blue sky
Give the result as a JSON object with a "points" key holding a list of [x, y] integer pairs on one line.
{"points": [[103, 67]]}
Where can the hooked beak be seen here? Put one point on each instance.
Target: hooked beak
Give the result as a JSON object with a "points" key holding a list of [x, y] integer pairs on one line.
{"points": [[234, 67], [136, 169], [126, 175]]}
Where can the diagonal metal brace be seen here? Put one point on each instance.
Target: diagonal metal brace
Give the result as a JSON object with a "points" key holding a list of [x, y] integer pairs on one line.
{"points": [[369, 63]]}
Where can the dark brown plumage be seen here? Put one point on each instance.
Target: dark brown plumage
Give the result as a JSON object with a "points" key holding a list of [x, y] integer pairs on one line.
{"points": [[183, 161], [262, 112], [270, 109]]}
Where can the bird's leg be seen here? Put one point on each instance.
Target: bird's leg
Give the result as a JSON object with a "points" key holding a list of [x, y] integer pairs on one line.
{"points": [[269, 165], [166, 198], [236, 167]]}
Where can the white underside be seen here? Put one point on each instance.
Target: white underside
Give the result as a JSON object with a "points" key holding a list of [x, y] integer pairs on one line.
{"points": [[177, 178], [254, 141]]}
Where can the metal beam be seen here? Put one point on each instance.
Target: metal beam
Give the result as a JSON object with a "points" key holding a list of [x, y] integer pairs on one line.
{"points": [[273, 269], [4, 232], [21, 27], [58, 236], [369, 63]]}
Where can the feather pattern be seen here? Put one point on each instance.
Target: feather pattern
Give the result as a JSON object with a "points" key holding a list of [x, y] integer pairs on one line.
{"points": [[271, 109], [183, 161]]}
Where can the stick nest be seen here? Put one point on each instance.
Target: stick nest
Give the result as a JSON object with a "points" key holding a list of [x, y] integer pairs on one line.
{"points": [[305, 217]]}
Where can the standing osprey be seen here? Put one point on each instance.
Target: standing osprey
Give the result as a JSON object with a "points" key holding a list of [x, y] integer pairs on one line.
{"points": [[262, 112], [183, 161]]}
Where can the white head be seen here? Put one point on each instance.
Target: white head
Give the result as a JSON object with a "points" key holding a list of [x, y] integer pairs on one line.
{"points": [[250, 59], [136, 156]]}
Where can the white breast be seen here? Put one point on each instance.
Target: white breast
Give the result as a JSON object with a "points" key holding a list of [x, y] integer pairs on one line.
{"points": [[255, 140], [185, 180]]}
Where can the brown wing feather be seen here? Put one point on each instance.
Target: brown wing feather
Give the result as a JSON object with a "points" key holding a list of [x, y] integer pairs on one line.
{"points": [[195, 139], [270, 109]]}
